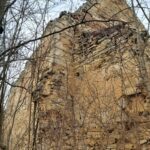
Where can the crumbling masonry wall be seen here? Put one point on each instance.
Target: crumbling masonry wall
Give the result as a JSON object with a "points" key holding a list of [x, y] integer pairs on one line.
{"points": [[84, 89]]}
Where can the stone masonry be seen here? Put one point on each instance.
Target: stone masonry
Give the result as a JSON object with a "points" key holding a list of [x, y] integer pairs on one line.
{"points": [[86, 88]]}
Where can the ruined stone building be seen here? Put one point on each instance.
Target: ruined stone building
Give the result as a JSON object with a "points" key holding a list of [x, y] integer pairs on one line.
{"points": [[86, 87]]}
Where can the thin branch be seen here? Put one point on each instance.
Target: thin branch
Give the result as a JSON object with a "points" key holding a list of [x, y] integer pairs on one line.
{"points": [[143, 11], [8, 8], [12, 85]]}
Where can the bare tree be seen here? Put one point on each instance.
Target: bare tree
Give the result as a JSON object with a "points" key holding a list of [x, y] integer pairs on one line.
{"points": [[23, 23]]}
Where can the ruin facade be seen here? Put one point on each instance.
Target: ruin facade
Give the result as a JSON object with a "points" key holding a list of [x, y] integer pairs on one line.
{"points": [[86, 87]]}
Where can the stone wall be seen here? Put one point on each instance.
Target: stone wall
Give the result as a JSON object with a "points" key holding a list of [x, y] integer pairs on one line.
{"points": [[83, 89]]}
